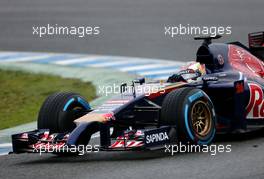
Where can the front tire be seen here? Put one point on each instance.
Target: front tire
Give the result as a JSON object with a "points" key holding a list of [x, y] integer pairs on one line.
{"points": [[59, 111], [192, 111]]}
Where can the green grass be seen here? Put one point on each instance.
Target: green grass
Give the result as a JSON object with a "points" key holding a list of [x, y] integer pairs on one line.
{"points": [[21, 94]]}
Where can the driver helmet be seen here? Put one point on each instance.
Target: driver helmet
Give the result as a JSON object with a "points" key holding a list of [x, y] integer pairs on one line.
{"points": [[197, 67], [194, 68]]}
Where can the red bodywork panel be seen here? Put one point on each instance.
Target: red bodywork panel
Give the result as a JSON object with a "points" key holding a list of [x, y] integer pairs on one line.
{"points": [[243, 61]]}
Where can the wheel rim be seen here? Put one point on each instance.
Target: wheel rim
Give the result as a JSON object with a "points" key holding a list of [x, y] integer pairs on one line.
{"points": [[201, 118]]}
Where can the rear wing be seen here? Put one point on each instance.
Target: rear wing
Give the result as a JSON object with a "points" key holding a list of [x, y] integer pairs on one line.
{"points": [[256, 44], [256, 39]]}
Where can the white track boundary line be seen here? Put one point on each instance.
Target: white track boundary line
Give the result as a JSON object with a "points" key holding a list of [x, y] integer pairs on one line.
{"points": [[29, 58], [5, 145], [76, 60]]}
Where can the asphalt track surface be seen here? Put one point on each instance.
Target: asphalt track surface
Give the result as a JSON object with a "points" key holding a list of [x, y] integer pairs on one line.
{"points": [[128, 27], [132, 28], [244, 161]]}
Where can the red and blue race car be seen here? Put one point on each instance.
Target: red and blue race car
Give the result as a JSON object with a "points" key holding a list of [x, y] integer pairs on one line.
{"points": [[221, 92]]}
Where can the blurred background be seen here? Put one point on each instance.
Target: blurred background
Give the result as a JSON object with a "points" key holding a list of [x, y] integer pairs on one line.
{"points": [[128, 28]]}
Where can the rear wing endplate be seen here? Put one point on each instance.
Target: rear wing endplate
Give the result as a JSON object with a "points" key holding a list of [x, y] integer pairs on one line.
{"points": [[256, 44]]}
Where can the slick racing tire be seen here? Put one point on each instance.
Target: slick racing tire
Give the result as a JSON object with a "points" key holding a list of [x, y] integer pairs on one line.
{"points": [[192, 112], [59, 110]]}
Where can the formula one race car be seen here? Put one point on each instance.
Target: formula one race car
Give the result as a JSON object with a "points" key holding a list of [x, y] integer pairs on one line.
{"points": [[222, 92]]}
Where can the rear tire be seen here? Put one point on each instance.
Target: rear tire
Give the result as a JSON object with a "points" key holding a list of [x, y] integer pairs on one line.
{"points": [[192, 111], [59, 111]]}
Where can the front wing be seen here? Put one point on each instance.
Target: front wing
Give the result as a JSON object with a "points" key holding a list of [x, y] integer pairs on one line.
{"points": [[42, 141]]}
